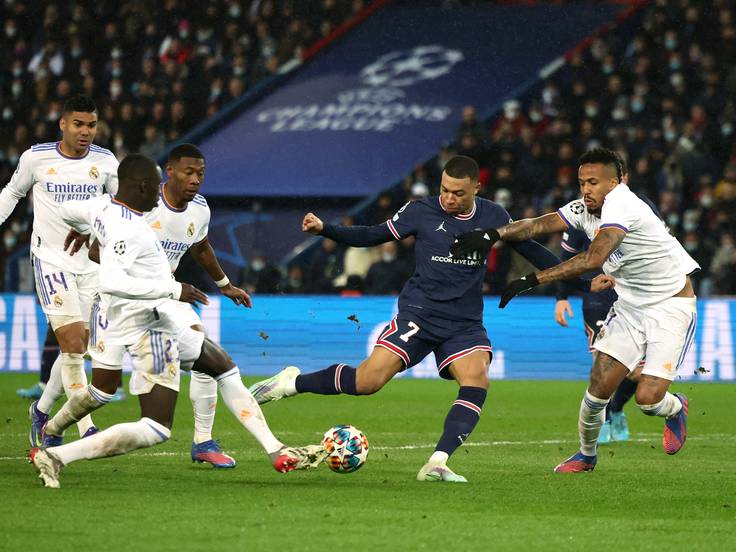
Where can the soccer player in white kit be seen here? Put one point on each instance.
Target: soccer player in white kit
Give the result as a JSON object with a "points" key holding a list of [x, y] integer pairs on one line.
{"points": [[135, 279], [107, 346], [71, 169], [655, 315], [181, 223]]}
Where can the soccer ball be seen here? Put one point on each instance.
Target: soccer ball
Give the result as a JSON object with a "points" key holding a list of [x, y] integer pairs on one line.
{"points": [[347, 448]]}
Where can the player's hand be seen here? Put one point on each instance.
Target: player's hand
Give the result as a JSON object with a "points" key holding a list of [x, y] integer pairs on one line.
{"points": [[562, 307], [192, 295], [602, 282], [477, 240], [238, 296], [525, 283], [312, 224], [76, 241]]}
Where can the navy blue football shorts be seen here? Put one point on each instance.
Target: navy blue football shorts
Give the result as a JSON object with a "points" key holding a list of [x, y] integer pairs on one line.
{"points": [[412, 337]]}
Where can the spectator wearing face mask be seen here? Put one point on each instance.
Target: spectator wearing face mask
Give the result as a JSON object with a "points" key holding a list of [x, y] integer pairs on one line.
{"points": [[388, 275], [260, 276]]}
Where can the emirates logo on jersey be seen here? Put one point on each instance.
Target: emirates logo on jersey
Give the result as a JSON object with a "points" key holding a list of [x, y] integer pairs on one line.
{"points": [[93, 172], [190, 230]]}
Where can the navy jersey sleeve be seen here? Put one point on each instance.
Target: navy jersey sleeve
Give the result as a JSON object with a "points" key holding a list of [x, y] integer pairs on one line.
{"points": [[573, 242], [401, 225]]}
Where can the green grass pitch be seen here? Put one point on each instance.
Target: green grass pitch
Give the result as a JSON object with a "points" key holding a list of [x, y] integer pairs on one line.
{"points": [[638, 498]]}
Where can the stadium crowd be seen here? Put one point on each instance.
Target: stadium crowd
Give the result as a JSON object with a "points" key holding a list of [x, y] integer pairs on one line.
{"points": [[662, 96]]}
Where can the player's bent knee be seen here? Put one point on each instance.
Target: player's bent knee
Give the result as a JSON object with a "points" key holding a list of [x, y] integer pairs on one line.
{"points": [[213, 359], [106, 378]]}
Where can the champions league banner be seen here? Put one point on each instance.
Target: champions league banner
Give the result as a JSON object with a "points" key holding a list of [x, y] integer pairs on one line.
{"points": [[313, 332], [381, 100]]}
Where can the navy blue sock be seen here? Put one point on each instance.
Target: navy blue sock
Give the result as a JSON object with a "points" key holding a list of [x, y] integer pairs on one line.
{"points": [[461, 420], [50, 352], [338, 378], [625, 391]]}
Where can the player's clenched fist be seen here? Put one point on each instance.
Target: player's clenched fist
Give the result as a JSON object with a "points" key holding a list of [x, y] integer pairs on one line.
{"points": [[312, 224]]}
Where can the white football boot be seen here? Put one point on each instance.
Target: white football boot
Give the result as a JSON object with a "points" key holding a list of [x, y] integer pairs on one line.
{"points": [[276, 387], [438, 471], [49, 467]]}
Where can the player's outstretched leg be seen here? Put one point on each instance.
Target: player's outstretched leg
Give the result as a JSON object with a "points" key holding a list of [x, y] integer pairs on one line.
{"points": [[276, 387], [115, 440], [203, 394], [154, 427], [590, 420], [213, 360]]}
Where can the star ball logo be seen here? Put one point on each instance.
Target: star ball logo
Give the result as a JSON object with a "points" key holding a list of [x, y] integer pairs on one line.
{"points": [[408, 67]]}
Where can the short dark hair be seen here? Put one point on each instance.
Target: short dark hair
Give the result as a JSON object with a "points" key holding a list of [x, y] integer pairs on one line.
{"points": [[185, 150], [462, 166], [603, 156], [135, 166], [81, 103]]}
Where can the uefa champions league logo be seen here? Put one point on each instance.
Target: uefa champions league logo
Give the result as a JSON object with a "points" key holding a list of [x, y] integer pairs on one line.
{"points": [[407, 67], [381, 103]]}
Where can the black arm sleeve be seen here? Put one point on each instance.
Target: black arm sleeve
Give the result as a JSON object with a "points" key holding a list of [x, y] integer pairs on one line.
{"points": [[564, 289], [358, 236], [542, 258]]}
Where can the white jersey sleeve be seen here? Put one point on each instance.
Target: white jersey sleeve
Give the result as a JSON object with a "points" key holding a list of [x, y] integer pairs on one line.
{"points": [[20, 183], [574, 214], [121, 252], [204, 226], [617, 212], [77, 215]]}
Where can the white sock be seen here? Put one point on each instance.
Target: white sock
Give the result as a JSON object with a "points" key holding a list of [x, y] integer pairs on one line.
{"points": [[115, 440], [74, 379], [245, 408], [591, 418], [668, 407], [53, 390], [77, 407], [203, 394], [438, 457]]}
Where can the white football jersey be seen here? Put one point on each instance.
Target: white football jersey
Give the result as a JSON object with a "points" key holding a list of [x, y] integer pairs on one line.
{"points": [[55, 179], [650, 265], [179, 229], [134, 273]]}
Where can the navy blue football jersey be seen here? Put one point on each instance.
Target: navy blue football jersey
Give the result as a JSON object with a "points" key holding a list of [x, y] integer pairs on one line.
{"points": [[441, 285]]}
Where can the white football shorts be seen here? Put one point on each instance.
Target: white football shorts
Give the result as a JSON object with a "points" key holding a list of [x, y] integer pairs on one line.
{"points": [[661, 334], [65, 297]]}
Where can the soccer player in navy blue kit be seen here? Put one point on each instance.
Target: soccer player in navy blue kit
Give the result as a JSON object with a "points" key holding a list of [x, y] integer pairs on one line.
{"points": [[440, 307]]}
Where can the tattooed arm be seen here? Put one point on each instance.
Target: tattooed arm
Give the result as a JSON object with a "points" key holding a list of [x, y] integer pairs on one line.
{"points": [[605, 243], [607, 240], [529, 228]]}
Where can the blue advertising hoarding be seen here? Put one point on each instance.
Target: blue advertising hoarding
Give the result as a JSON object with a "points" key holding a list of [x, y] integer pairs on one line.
{"points": [[313, 332], [382, 99]]}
